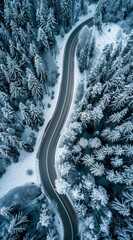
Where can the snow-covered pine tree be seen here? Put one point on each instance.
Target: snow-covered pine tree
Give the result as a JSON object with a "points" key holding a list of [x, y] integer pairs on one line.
{"points": [[36, 116], [34, 85], [32, 50], [40, 69], [8, 112], [26, 116], [66, 10], [42, 39], [50, 27]]}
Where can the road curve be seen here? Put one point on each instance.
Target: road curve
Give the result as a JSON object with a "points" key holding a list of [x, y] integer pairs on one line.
{"points": [[46, 153]]}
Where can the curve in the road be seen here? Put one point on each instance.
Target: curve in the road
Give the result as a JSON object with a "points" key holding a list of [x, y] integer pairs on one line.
{"points": [[46, 153]]}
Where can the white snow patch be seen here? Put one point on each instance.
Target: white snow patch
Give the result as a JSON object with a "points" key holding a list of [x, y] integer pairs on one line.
{"points": [[92, 8], [110, 34]]}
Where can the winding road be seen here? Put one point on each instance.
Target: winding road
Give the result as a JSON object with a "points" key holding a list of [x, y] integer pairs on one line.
{"points": [[46, 153]]}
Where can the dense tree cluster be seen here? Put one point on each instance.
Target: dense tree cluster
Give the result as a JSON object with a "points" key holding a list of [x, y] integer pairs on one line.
{"points": [[24, 74], [114, 11], [28, 216], [97, 167], [27, 49]]}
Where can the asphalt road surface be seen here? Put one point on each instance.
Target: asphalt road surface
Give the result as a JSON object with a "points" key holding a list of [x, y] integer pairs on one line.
{"points": [[46, 153]]}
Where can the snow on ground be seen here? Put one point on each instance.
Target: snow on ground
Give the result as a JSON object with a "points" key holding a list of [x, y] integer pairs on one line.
{"points": [[110, 34], [16, 173]]}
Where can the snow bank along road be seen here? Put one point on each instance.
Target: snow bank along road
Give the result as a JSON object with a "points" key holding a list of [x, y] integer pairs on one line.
{"points": [[46, 153]]}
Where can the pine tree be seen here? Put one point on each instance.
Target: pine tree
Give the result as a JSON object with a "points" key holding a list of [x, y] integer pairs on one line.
{"points": [[16, 90], [10, 139], [12, 48], [121, 207], [40, 69], [4, 72], [83, 56], [4, 98], [34, 85], [18, 224], [41, 14], [88, 160], [13, 69], [36, 116], [7, 151], [98, 15], [51, 22], [14, 29], [8, 112], [26, 11], [26, 116], [66, 8], [50, 27], [7, 16], [91, 48], [22, 37], [5, 211], [32, 50], [42, 39], [97, 169]]}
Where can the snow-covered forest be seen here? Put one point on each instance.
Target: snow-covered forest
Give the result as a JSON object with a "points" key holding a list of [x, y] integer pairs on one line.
{"points": [[27, 51], [28, 74], [95, 158]]}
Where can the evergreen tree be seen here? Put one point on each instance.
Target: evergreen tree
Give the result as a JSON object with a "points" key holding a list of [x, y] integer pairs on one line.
{"points": [[43, 39], [40, 69], [22, 37], [41, 14], [83, 57], [50, 27], [34, 85], [8, 112], [26, 116], [16, 90], [37, 117], [98, 19], [18, 224], [7, 151], [66, 8], [14, 29], [32, 50], [13, 69]]}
